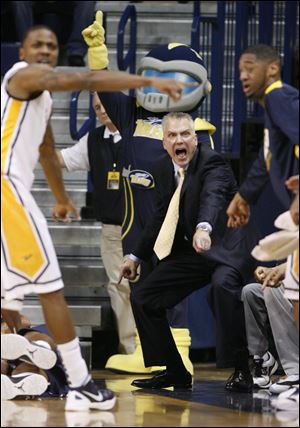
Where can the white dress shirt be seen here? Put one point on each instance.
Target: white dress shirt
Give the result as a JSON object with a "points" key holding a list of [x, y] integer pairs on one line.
{"points": [[76, 157]]}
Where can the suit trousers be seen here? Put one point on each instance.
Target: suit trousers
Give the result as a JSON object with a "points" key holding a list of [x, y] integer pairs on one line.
{"points": [[178, 315], [224, 298], [174, 278], [270, 304], [112, 256]]}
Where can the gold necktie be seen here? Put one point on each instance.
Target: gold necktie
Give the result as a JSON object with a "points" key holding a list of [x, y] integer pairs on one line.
{"points": [[164, 242]]}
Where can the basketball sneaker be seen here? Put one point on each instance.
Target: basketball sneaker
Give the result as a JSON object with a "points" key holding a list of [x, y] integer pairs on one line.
{"points": [[88, 397], [15, 346], [22, 384], [284, 384], [263, 370]]}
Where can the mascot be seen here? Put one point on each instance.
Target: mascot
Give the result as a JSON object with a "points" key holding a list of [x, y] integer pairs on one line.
{"points": [[139, 121]]}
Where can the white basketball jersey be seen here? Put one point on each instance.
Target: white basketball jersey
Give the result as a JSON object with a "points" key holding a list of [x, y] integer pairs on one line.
{"points": [[23, 125]]}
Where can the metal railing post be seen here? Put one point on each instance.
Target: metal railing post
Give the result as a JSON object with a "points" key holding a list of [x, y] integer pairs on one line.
{"points": [[89, 123], [128, 60], [289, 39], [239, 100], [217, 73]]}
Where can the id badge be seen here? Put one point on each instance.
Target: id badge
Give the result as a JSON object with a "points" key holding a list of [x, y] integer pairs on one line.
{"points": [[113, 180]]}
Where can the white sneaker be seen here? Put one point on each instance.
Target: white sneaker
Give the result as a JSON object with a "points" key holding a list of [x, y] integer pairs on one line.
{"points": [[284, 384], [263, 371], [25, 384], [89, 397], [287, 400], [15, 346]]}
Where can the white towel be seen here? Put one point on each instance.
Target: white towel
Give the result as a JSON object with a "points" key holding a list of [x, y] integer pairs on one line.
{"points": [[278, 245]]}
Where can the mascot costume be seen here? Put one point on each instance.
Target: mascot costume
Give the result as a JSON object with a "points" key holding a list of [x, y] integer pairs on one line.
{"points": [[139, 122]]}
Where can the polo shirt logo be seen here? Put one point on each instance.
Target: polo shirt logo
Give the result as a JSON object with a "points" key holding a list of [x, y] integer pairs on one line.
{"points": [[141, 179]]}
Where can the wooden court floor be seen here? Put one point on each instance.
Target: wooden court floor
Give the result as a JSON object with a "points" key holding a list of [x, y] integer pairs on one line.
{"points": [[207, 405]]}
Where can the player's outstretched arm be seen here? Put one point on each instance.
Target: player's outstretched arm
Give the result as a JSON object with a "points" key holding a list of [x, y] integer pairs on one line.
{"points": [[39, 77]]}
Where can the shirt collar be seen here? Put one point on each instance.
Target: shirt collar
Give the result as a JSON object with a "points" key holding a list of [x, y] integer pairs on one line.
{"points": [[274, 85], [108, 133], [177, 167]]}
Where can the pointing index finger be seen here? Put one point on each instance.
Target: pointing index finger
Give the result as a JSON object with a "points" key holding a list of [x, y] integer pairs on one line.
{"points": [[99, 17]]}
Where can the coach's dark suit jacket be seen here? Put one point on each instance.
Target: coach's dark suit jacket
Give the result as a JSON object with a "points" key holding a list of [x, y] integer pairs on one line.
{"points": [[208, 188]]}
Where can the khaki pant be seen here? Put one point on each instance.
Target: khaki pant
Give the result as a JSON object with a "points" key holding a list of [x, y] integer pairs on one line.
{"points": [[112, 256]]}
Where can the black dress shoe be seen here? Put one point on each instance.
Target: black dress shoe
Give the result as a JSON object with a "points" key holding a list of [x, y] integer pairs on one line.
{"points": [[240, 381], [165, 380]]}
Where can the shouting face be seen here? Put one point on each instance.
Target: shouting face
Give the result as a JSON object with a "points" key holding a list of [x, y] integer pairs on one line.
{"points": [[180, 140]]}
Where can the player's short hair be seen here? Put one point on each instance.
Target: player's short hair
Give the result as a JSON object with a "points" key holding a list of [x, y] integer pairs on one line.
{"points": [[263, 52], [34, 28]]}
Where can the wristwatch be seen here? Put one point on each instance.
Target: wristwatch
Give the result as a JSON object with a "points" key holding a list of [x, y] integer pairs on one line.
{"points": [[205, 226]]}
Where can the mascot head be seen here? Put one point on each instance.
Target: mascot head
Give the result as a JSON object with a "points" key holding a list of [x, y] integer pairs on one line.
{"points": [[179, 62]]}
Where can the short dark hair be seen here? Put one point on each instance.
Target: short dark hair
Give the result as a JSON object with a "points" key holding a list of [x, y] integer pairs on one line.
{"points": [[34, 28], [263, 53]]}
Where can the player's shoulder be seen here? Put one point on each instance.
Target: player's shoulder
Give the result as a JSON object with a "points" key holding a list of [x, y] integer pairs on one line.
{"points": [[24, 66], [20, 81], [13, 70], [280, 90]]}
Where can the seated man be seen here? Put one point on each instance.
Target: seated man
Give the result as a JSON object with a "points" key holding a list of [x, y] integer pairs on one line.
{"points": [[29, 364], [265, 301], [194, 247]]}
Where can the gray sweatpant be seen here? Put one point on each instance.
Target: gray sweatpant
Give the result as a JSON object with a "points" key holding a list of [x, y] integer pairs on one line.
{"points": [[270, 303]]}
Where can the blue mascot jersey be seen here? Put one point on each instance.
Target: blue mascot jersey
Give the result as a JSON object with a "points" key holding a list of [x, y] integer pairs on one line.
{"points": [[141, 133]]}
